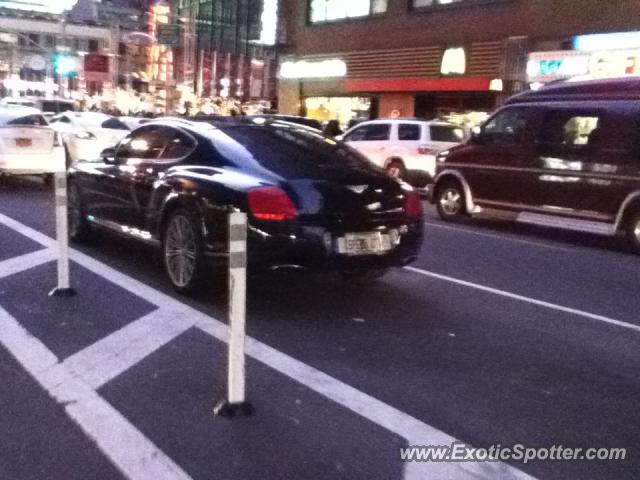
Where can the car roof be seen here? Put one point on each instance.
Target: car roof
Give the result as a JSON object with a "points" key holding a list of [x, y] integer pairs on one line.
{"points": [[10, 112], [619, 88]]}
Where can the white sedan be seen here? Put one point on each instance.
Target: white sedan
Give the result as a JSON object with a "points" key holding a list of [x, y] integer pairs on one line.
{"points": [[86, 134], [28, 146]]}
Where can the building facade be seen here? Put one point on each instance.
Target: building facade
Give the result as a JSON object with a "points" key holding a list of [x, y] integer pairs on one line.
{"points": [[428, 58], [44, 55]]}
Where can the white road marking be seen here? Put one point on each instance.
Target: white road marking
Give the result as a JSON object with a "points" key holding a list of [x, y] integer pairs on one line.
{"points": [[522, 298], [129, 450], [25, 262], [109, 357], [69, 385]]}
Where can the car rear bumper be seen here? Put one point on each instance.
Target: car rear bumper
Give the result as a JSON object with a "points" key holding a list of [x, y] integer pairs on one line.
{"points": [[33, 164], [315, 248]]}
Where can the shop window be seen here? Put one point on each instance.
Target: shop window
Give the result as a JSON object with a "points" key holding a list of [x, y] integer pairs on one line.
{"points": [[332, 10], [369, 133], [93, 45], [569, 132], [409, 131]]}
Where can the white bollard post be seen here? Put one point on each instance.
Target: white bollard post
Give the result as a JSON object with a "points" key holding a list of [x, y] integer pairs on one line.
{"points": [[236, 401], [62, 236]]}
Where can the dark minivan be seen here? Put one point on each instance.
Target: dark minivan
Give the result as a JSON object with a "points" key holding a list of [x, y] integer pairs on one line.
{"points": [[566, 156]]}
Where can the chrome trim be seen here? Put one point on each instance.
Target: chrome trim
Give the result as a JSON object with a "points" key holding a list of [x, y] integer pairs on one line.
{"points": [[468, 196], [621, 212], [574, 224], [548, 209], [132, 232]]}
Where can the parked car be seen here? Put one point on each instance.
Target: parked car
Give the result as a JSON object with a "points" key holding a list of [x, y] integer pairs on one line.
{"points": [[48, 107], [565, 156], [27, 144], [312, 203], [86, 134], [400, 145]]}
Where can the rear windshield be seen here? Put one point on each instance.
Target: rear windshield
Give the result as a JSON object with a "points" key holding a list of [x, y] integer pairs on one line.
{"points": [[34, 120], [446, 133], [56, 107], [284, 150]]}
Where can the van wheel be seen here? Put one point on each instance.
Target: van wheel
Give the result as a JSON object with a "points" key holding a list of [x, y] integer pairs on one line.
{"points": [[633, 231], [396, 169], [450, 201]]}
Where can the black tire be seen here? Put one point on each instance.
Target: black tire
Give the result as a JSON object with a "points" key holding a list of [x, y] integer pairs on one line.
{"points": [[450, 201], [79, 227], [183, 251], [632, 228], [364, 275], [396, 169]]}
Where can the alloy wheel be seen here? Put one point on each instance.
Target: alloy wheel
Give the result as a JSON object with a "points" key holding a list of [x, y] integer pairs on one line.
{"points": [[451, 201], [180, 251]]}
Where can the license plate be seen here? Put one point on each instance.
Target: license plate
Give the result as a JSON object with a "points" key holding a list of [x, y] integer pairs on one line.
{"points": [[23, 142], [369, 243]]}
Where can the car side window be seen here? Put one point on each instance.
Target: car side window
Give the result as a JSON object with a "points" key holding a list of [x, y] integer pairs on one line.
{"points": [[114, 124], [506, 127], [409, 131], [179, 146], [569, 132], [145, 143], [369, 133]]}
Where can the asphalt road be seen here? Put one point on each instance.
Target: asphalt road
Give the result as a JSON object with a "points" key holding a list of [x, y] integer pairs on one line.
{"points": [[499, 334]]}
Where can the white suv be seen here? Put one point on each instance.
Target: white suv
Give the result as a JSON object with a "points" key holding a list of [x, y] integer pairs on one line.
{"points": [[399, 144]]}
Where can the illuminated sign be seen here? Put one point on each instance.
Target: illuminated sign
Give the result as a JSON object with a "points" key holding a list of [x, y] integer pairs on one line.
{"points": [[607, 41], [319, 69], [454, 61], [549, 66]]}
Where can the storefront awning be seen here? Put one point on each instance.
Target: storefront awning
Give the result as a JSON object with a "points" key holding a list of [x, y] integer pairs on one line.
{"points": [[446, 84]]}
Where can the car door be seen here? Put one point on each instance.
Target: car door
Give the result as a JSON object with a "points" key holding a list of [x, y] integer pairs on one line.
{"points": [[499, 163], [178, 146], [372, 140], [137, 158]]}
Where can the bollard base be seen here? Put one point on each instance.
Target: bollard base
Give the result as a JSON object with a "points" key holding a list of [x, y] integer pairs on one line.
{"points": [[231, 410], [62, 292]]}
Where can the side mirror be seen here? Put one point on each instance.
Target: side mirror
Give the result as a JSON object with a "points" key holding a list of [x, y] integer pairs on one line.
{"points": [[476, 135], [108, 155]]}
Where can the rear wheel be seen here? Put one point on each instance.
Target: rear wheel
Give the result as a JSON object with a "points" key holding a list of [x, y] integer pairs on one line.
{"points": [[396, 169], [183, 251], [450, 201], [633, 230]]}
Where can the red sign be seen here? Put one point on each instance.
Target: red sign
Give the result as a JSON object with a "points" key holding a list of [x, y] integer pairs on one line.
{"points": [[96, 67]]}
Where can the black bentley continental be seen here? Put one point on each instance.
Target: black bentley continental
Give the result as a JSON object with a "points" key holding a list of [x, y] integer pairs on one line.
{"points": [[312, 203]]}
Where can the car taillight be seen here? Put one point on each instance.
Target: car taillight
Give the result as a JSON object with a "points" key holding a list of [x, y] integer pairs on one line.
{"points": [[271, 203], [427, 150], [412, 204]]}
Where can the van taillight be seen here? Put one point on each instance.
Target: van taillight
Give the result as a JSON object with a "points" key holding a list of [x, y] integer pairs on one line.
{"points": [[271, 203], [412, 204]]}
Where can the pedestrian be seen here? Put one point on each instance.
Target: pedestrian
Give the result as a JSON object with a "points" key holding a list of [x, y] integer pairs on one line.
{"points": [[332, 129]]}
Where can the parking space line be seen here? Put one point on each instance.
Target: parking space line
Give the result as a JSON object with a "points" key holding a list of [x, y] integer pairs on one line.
{"points": [[115, 354], [25, 262], [129, 450], [376, 411], [522, 298]]}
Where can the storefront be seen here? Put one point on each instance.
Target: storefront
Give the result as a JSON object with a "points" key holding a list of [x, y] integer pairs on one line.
{"points": [[429, 82], [593, 56]]}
